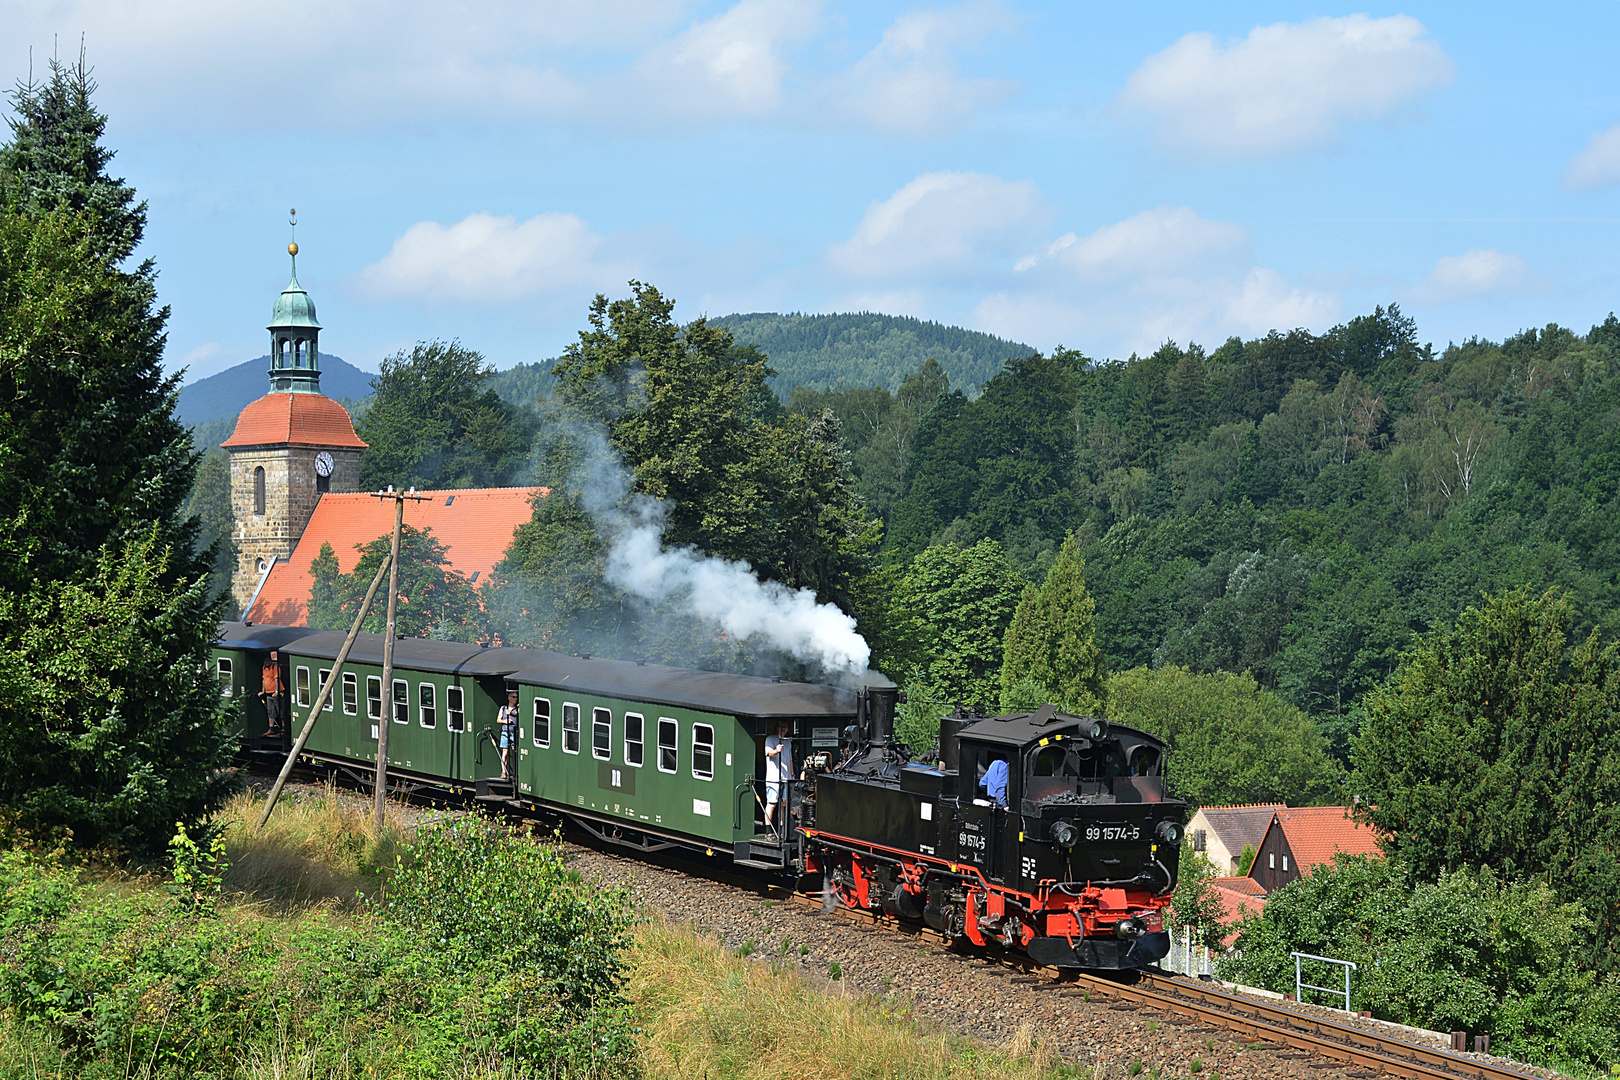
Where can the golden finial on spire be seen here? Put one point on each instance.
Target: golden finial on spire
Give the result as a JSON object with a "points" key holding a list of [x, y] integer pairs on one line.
{"points": [[292, 248]]}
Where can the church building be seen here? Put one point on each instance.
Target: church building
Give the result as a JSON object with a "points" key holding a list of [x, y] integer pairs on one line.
{"points": [[295, 483]]}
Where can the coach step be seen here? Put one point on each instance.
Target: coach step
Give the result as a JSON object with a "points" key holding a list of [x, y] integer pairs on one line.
{"points": [[494, 790]]}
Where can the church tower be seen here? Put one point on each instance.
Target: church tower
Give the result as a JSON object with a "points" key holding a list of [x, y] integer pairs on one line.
{"points": [[289, 447]]}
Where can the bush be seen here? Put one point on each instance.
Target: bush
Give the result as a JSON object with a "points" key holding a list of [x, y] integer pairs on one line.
{"points": [[111, 979], [1470, 952]]}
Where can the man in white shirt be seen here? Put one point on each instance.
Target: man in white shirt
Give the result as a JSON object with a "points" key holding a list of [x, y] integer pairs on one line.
{"points": [[778, 771]]}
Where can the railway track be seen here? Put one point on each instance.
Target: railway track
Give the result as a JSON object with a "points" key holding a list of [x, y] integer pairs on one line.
{"points": [[1196, 1004]]}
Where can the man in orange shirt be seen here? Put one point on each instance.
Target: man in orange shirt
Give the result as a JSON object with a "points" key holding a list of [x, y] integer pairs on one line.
{"points": [[271, 693]]}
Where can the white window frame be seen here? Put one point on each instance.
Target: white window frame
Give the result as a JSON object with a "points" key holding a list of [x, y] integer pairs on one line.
{"points": [[710, 743], [455, 717], [673, 746], [602, 722], [574, 705], [545, 743], [402, 705], [225, 674], [351, 694], [324, 677], [374, 680], [1271, 861], [427, 705], [639, 742], [1285, 864], [301, 687]]}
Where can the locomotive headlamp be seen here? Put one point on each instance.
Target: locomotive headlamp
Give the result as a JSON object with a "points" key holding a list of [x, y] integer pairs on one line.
{"points": [[1064, 834], [1170, 832], [1097, 730]]}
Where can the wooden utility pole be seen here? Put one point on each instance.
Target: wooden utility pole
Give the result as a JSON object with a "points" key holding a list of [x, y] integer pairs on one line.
{"points": [[381, 795], [326, 692]]}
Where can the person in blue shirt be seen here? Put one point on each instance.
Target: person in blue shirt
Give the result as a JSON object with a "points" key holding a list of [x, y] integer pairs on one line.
{"points": [[995, 781]]}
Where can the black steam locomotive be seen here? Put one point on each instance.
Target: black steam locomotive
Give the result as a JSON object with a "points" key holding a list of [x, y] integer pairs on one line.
{"points": [[1042, 831]]}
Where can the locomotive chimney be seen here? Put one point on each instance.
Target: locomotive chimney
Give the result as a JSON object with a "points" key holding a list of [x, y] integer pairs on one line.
{"points": [[881, 700]]}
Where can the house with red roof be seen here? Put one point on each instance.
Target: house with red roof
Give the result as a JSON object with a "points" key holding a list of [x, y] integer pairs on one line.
{"points": [[1220, 833], [1299, 839], [1240, 897]]}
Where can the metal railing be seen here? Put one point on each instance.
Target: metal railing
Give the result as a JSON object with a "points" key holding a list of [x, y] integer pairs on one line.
{"points": [[1301, 985], [1187, 958]]}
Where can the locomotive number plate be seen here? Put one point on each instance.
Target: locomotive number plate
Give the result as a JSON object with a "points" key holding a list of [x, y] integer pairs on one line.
{"points": [[1113, 832]]}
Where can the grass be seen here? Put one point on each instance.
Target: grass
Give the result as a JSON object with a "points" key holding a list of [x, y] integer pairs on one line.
{"points": [[708, 1013], [317, 848]]}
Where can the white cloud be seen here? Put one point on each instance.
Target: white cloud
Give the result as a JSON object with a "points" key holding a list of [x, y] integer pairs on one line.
{"points": [[488, 259], [1166, 273], [911, 81], [732, 63], [1285, 86], [942, 225], [1599, 164], [1478, 272], [1161, 241]]}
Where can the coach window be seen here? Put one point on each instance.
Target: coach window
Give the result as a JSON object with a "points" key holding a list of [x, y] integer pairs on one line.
{"points": [[402, 701], [703, 751], [223, 667], [668, 738], [258, 490], [455, 712], [374, 696], [425, 705], [601, 734], [633, 725], [570, 728], [542, 722], [326, 677], [301, 685], [351, 694]]}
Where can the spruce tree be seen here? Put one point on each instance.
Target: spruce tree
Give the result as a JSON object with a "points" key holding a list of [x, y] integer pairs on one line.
{"points": [[1051, 642], [55, 160], [106, 616]]}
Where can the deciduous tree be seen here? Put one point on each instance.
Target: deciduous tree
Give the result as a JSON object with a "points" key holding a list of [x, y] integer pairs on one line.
{"points": [[1051, 640]]}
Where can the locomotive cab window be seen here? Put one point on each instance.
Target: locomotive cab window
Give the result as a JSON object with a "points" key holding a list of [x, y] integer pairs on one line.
{"points": [[374, 696], [326, 677], [351, 694], [601, 734], [570, 728], [542, 722], [402, 701], [703, 751], [427, 704], [301, 686], [634, 723], [455, 709], [668, 752], [223, 668]]}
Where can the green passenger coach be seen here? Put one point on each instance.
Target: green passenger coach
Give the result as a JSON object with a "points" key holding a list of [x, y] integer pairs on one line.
{"points": [[641, 754]]}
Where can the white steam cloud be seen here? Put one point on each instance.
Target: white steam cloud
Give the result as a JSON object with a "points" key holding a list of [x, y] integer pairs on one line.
{"points": [[718, 592]]}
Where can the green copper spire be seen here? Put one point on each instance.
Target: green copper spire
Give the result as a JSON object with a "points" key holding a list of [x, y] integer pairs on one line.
{"points": [[295, 364]]}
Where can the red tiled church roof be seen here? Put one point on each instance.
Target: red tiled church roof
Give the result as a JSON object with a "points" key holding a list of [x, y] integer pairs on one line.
{"points": [[299, 419], [1317, 833], [476, 525]]}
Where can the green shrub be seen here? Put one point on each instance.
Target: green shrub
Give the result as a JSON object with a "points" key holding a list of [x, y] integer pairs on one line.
{"points": [[1470, 952]]}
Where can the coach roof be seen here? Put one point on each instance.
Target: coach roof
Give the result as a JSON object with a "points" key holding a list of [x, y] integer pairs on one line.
{"points": [[238, 635]]}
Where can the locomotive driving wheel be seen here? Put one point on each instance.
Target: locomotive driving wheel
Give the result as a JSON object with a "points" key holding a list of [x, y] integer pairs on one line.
{"points": [[838, 888]]}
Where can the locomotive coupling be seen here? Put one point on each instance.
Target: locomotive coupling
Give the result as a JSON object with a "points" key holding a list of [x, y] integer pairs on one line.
{"points": [[1126, 929]]}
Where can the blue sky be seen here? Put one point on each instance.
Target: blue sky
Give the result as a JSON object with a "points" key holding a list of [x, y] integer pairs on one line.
{"points": [[1104, 177]]}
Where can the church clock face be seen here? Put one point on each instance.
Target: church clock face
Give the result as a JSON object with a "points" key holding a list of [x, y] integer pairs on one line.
{"points": [[324, 464]]}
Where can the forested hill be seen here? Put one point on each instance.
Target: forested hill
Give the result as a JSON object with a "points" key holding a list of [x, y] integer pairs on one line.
{"points": [[867, 350], [227, 393], [1296, 506]]}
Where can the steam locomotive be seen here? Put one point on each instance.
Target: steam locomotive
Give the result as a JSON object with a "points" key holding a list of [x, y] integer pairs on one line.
{"points": [[1041, 831]]}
